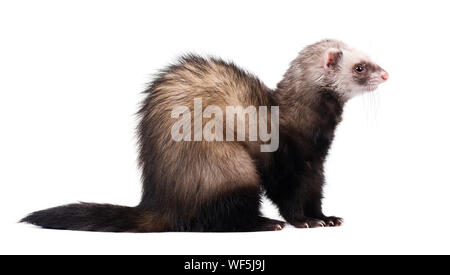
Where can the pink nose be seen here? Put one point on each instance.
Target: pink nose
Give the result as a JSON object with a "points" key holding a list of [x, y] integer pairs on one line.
{"points": [[385, 76]]}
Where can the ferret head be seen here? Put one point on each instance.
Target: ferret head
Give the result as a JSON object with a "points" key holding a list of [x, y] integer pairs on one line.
{"points": [[332, 64]]}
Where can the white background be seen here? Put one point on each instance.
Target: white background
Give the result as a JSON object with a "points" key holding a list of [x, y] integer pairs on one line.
{"points": [[71, 73]]}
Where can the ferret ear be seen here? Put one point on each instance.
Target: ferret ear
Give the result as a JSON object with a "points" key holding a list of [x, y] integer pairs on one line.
{"points": [[332, 58]]}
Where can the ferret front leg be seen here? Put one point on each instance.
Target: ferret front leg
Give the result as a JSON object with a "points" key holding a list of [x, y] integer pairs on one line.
{"points": [[291, 203], [299, 199], [313, 202], [313, 209]]}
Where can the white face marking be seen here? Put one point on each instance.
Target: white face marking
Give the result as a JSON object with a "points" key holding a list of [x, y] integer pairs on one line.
{"points": [[348, 86], [344, 81]]}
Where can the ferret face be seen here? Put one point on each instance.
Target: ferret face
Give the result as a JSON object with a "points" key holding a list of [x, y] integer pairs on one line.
{"points": [[351, 73]]}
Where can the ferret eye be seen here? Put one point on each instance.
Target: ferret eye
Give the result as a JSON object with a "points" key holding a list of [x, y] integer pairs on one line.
{"points": [[359, 68]]}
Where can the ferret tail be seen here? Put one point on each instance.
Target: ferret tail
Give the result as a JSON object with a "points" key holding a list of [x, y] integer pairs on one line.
{"points": [[96, 217]]}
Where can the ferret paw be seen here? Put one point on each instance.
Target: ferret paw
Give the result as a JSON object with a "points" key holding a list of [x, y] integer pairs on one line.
{"points": [[309, 223], [333, 221], [266, 224]]}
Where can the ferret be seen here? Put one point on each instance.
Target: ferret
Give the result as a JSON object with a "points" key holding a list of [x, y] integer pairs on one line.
{"points": [[217, 186]]}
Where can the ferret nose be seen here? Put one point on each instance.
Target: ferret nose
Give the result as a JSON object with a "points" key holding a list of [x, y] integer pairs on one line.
{"points": [[385, 76]]}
